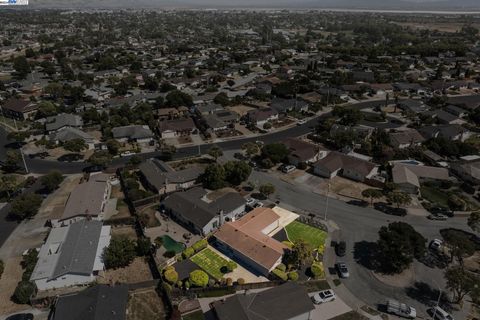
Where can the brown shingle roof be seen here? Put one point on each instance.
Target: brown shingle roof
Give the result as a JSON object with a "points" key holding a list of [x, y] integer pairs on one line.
{"points": [[18, 105]]}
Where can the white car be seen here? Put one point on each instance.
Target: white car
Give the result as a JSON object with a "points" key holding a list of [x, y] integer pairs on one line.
{"points": [[323, 296], [288, 169], [251, 202], [127, 153], [436, 244], [301, 122], [258, 204]]}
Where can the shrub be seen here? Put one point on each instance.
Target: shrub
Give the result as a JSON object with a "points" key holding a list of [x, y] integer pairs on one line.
{"points": [[187, 253], [179, 283], [200, 245], [317, 270], [120, 253], [282, 267], [241, 281], [229, 282], [23, 292], [144, 246], [231, 265], [186, 284], [280, 274], [171, 276], [293, 275], [198, 278]]}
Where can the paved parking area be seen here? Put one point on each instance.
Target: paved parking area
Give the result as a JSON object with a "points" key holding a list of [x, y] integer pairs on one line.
{"points": [[329, 310]]}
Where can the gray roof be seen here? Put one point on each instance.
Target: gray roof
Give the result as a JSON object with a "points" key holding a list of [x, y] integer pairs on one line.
{"points": [[284, 302], [283, 105], [63, 120], [68, 133], [448, 131], [101, 302], [79, 249], [132, 132], [159, 174], [189, 204]]}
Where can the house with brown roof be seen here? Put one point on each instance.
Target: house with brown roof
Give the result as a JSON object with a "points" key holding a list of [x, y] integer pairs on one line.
{"points": [[19, 109], [176, 128], [406, 139], [261, 116], [247, 240], [303, 152], [408, 177], [337, 163]]}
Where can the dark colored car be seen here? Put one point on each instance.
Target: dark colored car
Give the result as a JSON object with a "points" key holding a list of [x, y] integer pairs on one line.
{"points": [[385, 208], [341, 248], [41, 155], [94, 169], [70, 157], [441, 211], [21, 316], [358, 203]]}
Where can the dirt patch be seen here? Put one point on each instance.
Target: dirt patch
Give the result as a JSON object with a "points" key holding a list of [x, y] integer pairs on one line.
{"points": [[53, 206], [241, 109], [148, 218], [145, 305], [402, 280], [137, 271], [347, 188], [10, 278], [473, 263], [124, 231], [184, 139], [122, 207]]}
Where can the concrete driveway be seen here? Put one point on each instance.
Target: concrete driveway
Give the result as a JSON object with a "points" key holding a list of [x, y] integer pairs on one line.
{"points": [[329, 310]]}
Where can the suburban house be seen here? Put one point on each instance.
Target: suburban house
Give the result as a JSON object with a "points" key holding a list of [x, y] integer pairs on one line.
{"points": [[101, 302], [272, 304], [176, 128], [457, 111], [303, 152], [71, 255], [414, 106], [202, 212], [259, 117], [19, 109], [135, 133], [287, 105], [408, 177], [209, 108], [68, 133], [63, 120], [347, 166], [249, 240], [406, 139], [468, 171], [453, 132], [88, 200], [161, 178]]}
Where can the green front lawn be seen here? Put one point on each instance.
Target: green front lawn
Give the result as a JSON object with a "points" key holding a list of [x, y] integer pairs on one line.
{"points": [[297, 230], [434, 195], [210, 262]]}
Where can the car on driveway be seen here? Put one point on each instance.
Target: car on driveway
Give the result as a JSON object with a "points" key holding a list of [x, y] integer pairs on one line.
{"points": [[288, 168], [301, 122], [385, 208], [438, 313], [436, 244], [323, 296], [21, 316], [358, 203], [250, 202], [441, 210], [342, 270]]}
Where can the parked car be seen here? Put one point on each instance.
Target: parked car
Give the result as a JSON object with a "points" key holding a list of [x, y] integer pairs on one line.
{"points": [[400, 309], [358, 203], [127, 153], [288, 169], [91, 169], [251, 202], [441, 210], [341, 248], [323, 296], [70, 157], [385, 208], [260, 143], [301, 122], [21, 316], [438, 313], [239, 156], [258, 204], [436, 244], [342, 270], [41, 155], [439, 217]]}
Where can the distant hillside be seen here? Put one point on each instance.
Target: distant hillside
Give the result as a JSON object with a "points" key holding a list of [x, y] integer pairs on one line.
{"points": [[341, 4]]}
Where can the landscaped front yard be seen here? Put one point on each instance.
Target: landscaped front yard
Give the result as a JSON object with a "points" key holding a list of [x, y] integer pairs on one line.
{"points": [[435, 196], [299, 231], [210, 262]]}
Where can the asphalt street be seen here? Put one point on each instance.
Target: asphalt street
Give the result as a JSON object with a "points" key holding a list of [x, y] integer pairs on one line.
{"points": [[360, 226]]}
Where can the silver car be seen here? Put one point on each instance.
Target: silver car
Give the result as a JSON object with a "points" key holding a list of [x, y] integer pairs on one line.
{"points": [[323, 296], [342, 270]]}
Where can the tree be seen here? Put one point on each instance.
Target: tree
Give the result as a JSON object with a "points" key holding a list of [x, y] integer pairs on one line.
{"points": [[398, 244], [275, 152], [222, 99], [178, 98], [170, 275], [12, 159], [372, 194], [460, 282], [214, 177], [250, 149], [399, 198], [25, 206], [198, 278], [300, 254], [24, 290], [348, 116], [21, 66], [215, 152], [144, 247], [474, 221], [46, 109], [267, 189], [236, 172], [51, 181], [459, 244], [100, 158], [8, 184], [113, 146], [120, 253], [75, 145]]}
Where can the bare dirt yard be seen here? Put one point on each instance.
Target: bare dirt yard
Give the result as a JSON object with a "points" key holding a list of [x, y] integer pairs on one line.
{"points": [[52, 207], [145, 305], [122, 208], [137, 271], [127, 231], [8, 282]]}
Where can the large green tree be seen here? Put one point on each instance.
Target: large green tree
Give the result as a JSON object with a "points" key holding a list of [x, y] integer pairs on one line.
{"points": [[236, 172], [120, 253], [275, 152], [399, 198], [460, 282], [52, 180], [214, 177], [26, 206], [372, 194]]}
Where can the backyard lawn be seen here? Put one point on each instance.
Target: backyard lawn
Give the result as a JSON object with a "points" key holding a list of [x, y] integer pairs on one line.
{"points": [[314, 236], [435, 196], [210, 262]]}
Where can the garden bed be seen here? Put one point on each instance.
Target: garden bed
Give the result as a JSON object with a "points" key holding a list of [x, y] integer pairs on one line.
{"points": [[210, 262]]}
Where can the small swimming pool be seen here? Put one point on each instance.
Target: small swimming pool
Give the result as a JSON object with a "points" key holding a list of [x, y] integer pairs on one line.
{"points": [[172, 245]]}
